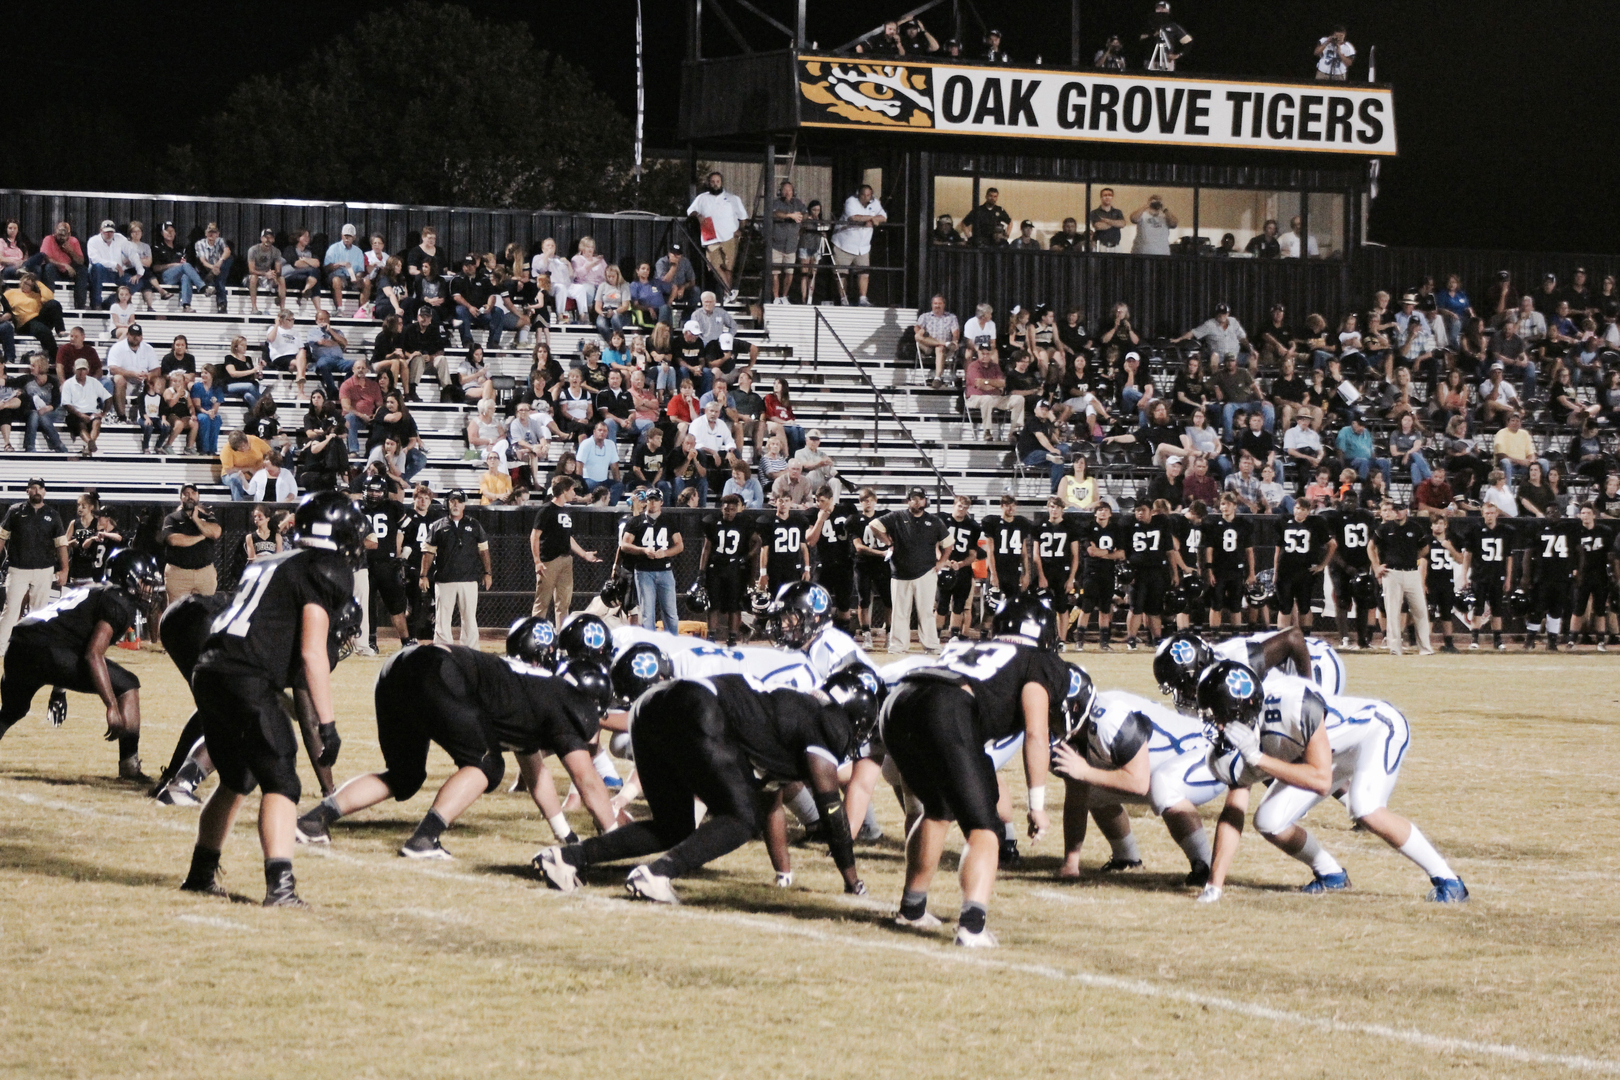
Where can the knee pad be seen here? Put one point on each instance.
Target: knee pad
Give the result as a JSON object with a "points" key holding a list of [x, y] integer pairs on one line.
{"points": [[493, 765]]}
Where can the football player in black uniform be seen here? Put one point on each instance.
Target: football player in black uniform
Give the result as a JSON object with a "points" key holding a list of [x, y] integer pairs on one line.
{"points": [[956, 579], [1057, 551], [729, 546], [1104, 543], [1554, 548], [1490, 570], [412, 533], [278, 624], [1304, 548], [1152, 544], [725, 742], [382, 565], [1010, 537], [835, 559], [785, 541], [1440, 584], [937, 724], [1353, 528], [1596, 545], [475, 706], [1189, 527], [1228, 562], [871, 564], [65, 645]]}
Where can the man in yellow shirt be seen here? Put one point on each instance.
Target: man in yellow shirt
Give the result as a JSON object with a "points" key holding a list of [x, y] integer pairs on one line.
{"points": [[241, 457], [1514, 449], [34, 311]]}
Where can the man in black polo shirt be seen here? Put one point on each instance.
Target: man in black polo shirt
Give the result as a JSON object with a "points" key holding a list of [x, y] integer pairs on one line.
{"points": [[552, 544], [919, 547], [36, 538], [470, 293], [1105, 222], [1395, 555], [457, 545], [188, 536]]}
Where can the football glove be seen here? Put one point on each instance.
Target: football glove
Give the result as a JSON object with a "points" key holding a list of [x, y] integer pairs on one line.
{"points": [[330, 744], [1246, 741]]}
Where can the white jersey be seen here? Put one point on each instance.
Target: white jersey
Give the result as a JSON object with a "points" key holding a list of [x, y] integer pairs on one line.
{"points": [[832, 649], [765, 669], [1178, 750], [891, 674], [1327, 670], [628, 635]]}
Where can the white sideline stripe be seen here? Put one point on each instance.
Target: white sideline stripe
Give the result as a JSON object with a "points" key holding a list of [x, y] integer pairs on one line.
{"points": [[212, 920], [938, 952]]}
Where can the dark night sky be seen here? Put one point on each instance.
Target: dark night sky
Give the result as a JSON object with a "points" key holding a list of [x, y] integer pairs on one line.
{"points": [[1507, 132]]}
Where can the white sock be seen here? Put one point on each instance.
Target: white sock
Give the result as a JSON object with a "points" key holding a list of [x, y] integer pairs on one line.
{"points": [[1009, 831], [604, 765], [1554, 625], [1197, 847], [1126, 848], [1419, 850], [1313, 856], [194, 761], [871, 821], [803, 807]]}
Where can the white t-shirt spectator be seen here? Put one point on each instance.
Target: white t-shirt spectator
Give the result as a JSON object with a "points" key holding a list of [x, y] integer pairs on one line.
{"points": [[720, 214], [976, 331], [139, 360], [1335, 58], [1290, 245], [716, 438], [113, 254], [86, 396], [286, 343], [1302, 439], [1501, 498], [286, 488], [857, 239]]}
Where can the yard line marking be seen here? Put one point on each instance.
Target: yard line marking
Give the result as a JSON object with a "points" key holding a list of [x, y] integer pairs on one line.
{"points": [[212, 920], [938, 951]]}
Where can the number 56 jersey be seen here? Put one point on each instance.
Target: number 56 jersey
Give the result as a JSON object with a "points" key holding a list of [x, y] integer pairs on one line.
{"points": [[259, 635], [998, 671]]}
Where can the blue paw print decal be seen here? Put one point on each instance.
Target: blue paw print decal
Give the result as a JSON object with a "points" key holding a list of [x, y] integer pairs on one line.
{"points": [[545, 633], [644, 666], [594, 636], [820, 601], [1240, 683], [1183, 653]]}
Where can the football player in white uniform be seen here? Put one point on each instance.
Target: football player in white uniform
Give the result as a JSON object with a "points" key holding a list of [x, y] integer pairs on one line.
{"points": [[1290, 652], [1307, 745]]}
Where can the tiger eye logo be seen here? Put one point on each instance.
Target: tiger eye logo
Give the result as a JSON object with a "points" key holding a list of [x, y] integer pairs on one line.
{"points": [[885, 95]]}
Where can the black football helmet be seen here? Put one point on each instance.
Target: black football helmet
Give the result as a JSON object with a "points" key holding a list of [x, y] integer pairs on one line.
{"points": [[376, 489], [856, 692], [534, 641], [585, 639], [1177, 663], [1230, 693], [346, 627], [993, 596], [697, 598], [1077, 702], [1365, 591], [946, 583], [134, 572], [329, 521], [1470, 604], [1264, 590], [594, 682], [1026, 616], [1517, 602], [759, 601], [1175, 601], [800, 611], [1195, 594], [638, 669]]}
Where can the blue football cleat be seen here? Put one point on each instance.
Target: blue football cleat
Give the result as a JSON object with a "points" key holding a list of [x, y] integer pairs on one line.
{"points": [[1327, 883], [612, 783], [1447, 891]]}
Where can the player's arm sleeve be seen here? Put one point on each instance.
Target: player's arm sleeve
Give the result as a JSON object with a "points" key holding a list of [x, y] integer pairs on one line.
{"points": [[1312, 713], [1133, 735], [823, 774]]}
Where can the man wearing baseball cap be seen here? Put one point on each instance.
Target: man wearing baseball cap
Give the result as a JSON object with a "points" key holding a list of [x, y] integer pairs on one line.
{"points": [[649, 545], [674, 277], [36, 537], [264, 261], [215, 258], [920, 547], [460, 548], [1026, 237], [346, 262], [108, 256]]}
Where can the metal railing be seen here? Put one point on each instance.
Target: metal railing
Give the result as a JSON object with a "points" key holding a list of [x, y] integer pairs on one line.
{"points": [[880, 402]]}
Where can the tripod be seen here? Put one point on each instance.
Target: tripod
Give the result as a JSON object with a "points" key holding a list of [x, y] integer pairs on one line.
{"points": [[1162, 59], [824, 252]]}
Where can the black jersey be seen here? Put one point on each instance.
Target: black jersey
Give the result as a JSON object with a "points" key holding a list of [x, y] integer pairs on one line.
{"points": [[520, 712], [71, 621], [1440, 560], [998, 671], [784, 540], [833, 548], [1228, 546], [414, 529], [1555, 548], [1008, 538], [729, 541], [963, 537], [87, 556], [555, 524], [654, 534], [1491, 549], [861, 525], [1189, 536], [776, 730], [1595, 545], [1151, 541], [1300, 544], [1054, 545], [384, 517], [1353, 529], [1111, 538], [260, 634]]}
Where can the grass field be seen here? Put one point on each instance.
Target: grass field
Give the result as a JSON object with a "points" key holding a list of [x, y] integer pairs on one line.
{"points": [[473, 968]]}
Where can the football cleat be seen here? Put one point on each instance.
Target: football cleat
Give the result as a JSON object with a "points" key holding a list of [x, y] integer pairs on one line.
{"points": [[284, 893], [984, 939], [1447, 891], [1326, 883], [210, 888], [556, 870], [869, 833], [1473, 646], [925, 921], [643, 884], [1198, 876], [1116, 864], [310, 829], [1008, 856], [177, 793], [420, 847], [1210, 895], [130, 769], [57, 710], [1130, 643]]}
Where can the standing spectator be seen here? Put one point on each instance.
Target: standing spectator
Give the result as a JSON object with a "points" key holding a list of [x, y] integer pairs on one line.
{"points": [[919, 546], [852, 240], [1396, 552], [1295, 244], [938, 333], [983, 220], [1153, 221], [1334, 56], [787, 214], [215, 259], [171, 266], [649, 546], [35, 537], [264, 261], [188, 535], [35, 311], [553, 547], [1106, 221], [345, 262], [128, 361], [720, 215], [986, 392], [107, 259], [675, 279], [82, 409], [459, 548]]}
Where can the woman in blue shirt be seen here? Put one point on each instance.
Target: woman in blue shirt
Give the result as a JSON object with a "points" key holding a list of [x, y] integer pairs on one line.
{"points": [[206, 399]]}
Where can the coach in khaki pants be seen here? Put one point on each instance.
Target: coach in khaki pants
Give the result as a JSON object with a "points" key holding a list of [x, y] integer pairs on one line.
{"points": [[919, 546], [188, 536], [553, 546], [1398, 557], [460, 548], [36, 538]]}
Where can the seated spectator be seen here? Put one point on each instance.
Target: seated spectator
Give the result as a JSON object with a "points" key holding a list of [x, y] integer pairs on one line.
{"points": [[779, 418], [599, 461], [1238, 392], [343, 264], [1586, 454], [1434, 496], [1497, 494], [1273, 496], [1406, 444], [1168, 484], [61, 256], [471, 381], [1078, 490], [820, 470], [495, 482], [528, 436], [774, 461], [206, 402], [985, 391], [746, 412], [743, 485], [1257, 442], [647, 459], [1221, 336], [1265, 243], [177, 411], [325, 349], [1133, 387], [1194, 388], [301, 268], [395, 422], [15, 249], [714, 443], [1205, 441], [42, 400], [1564, 402], [241, 457], [121, 312], [1535, 495], [485, 429], [1497, 398], [1302, 445], [129, 360], [359, 397], [1355, 446], [1163, 439], [1037, 444], [83, 407], [1083, 409], [264, 260], [13, 410], [1246, 486], [273, 482], [424, 343], [647, 305], [108, 263], [612, 301], [214, 261], [1197, 485], [1277, 340], [939, 335], [1514, 450], [1320, 492], [792, 486], [34, 311], [375, 258], [675, 279], [684, 469], [391, 291]]}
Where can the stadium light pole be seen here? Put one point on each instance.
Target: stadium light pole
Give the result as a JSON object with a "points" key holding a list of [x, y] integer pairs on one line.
{"points": [[641, 114]]}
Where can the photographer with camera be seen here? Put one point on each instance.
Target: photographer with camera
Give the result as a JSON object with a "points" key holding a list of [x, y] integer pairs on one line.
{"points": [[1112, 56], [1153, 223], [188, 536], [1168, 41], [1334, 55]]}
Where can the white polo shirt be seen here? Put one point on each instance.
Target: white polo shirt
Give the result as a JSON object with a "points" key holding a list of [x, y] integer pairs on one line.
{"points": [[716, 439], [723, 213], [86, 396], [139, 360], [857, 239]]}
